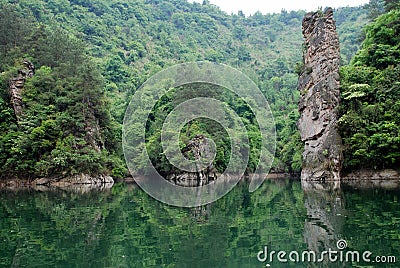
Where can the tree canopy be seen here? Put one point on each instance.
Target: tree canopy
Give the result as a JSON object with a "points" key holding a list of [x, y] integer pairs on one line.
{"points": [[370, 121], [92, 56]]}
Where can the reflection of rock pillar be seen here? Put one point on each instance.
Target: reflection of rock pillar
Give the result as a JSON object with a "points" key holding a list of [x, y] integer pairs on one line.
{"points": [[325, 216], [319, 87], [201, 214]]}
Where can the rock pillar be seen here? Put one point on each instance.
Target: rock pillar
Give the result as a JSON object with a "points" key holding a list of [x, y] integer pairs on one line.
{"points": [[319, 86], [17, 85]]}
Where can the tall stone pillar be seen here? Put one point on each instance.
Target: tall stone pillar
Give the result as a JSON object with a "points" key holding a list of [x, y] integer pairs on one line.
{"points": [[319, 86]]}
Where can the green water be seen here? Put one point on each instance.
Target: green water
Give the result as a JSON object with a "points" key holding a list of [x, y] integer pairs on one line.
{"points": [[124, 227]]}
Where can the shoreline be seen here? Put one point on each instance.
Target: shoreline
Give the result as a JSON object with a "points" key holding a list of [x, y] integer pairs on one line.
{"points": [[104, 181]]}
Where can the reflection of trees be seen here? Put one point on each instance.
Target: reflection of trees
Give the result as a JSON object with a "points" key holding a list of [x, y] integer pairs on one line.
{"points": [[323, 227], [124, 227], [47, 228]]}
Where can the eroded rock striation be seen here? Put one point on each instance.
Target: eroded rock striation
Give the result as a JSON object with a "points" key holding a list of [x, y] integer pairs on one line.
{"points": [[17, 86], [319, 86]]}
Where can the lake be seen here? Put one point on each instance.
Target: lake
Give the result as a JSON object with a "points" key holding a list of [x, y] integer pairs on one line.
{"points": [[124, 227]]}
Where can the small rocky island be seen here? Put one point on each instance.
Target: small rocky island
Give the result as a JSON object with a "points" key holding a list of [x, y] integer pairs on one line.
{"points": [[196, 148], [319, 86]]}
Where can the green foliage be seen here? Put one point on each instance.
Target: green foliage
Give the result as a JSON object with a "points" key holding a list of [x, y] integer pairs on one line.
{"points": [[381, 46], [370, 122], [65, 116], [203, 126], [91, 56], [375, 8], [392, 5], [349, 22]]}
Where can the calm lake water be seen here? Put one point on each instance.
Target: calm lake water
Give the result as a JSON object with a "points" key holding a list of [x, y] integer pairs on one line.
{"points": [[124, 227]]}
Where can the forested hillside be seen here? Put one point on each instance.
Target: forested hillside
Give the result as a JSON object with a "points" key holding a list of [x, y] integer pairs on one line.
{"points": [[370, 121], [91, 56]]}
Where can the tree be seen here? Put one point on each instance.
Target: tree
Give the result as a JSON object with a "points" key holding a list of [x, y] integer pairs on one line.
{"points": [[391, 5], [375, 8], [370, 91]]}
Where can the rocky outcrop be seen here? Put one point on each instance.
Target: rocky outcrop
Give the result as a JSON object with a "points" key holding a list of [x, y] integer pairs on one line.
{"points": [[17, 86], [372, 175], [80, 183], [93, 134], [319, 86], [196, 148], [75, 180]]}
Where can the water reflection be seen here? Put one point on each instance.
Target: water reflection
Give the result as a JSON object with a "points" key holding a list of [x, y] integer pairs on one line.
{"points": [[124, 227], [326, 215], [362, 213], [365, 185]]}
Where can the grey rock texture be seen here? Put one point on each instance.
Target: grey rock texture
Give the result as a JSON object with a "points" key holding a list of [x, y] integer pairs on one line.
{"points": [[75, 180], [197, 147], [319, 86], [17, 86], [373, 175]]}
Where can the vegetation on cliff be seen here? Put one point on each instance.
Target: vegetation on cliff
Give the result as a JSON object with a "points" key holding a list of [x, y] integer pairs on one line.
{"points": [[91, 56], [65, 126]]}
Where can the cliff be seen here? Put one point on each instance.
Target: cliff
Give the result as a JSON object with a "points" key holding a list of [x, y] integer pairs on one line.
{"points": [[319, 86], [17, 86]]}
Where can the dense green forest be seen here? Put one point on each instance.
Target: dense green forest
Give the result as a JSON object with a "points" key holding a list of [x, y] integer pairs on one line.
{"points": [[370, 121], [91, 56]]}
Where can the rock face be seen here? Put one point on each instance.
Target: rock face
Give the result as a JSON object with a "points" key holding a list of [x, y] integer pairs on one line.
{"points": [[17, 85], [197, 147], [373, 175], [75, 180], [319, 86]]}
